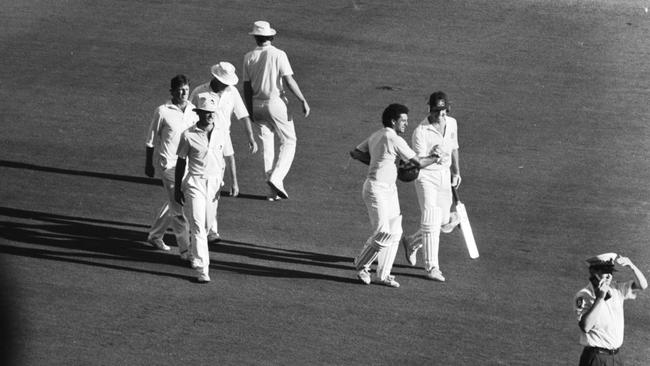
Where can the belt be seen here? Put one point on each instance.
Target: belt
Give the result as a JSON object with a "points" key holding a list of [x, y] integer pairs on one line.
{"points": [[604, 350]]}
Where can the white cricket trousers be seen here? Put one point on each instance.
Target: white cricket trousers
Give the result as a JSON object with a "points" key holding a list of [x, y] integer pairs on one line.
{"points": [[272, 118], [170, 214], [200, 197], [382, 202], [433, 189]]}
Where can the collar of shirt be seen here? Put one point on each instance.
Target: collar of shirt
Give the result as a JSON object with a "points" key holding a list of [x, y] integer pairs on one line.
{"points": [[429, 126], [171, 105], [390, 130]]}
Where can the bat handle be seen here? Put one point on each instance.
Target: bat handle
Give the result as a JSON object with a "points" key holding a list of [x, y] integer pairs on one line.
{"points": [[455, 193]]}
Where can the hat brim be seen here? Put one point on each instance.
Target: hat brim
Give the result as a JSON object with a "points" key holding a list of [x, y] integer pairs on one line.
{"points": [[205, 110], [270, 33], [229, 80]]}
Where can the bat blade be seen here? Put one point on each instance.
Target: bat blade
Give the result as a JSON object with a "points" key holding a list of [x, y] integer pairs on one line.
{"points": [[466, 229]]}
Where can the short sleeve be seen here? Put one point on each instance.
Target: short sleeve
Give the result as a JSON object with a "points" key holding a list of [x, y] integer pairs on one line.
{"points": [[284, 67], [154, 126], [627, 292], [239, 109], [403, 150], [227, 146], [183, 147], [419, 142], [581, 303], [454, 136]]}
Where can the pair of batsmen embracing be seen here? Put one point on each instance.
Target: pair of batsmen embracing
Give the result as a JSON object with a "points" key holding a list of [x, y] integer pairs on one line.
{"points": [[435, 155]]}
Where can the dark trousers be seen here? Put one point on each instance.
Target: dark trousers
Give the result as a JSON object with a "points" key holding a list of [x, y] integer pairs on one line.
{"points": [[592, 356]]}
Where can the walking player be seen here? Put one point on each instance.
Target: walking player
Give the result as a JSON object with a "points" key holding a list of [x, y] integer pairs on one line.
{"points": [[379, 152], [599, 307], [436, 134], [229, 103], [266, 71], [168, 123], [201, 150]]}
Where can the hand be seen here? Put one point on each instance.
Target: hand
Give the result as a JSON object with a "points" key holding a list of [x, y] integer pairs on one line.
{"points": [[437, 151], [234, 190], [603, 286], [455, 180], [305, 108], [149, 171], [623, 261], [252, 147], [179, 197]]}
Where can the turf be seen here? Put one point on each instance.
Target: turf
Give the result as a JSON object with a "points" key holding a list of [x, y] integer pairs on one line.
{"points": [[551, 99]]}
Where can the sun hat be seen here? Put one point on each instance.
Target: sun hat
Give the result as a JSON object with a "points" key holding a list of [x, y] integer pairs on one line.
{"points": [[225, 72], [262, 28], [206, 103]]}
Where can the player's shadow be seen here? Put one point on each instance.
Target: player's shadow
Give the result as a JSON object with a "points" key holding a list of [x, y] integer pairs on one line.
{"points": [[116, 177], [114, 244]]}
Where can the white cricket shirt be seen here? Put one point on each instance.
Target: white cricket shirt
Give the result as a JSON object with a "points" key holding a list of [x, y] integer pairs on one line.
{"points": [[264, 67], [610, 323], [385, 146], [204, 157], [426, 137], [165, 131]]}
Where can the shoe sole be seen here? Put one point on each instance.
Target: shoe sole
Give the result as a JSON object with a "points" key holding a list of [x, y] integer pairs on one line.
{"points": [[277, 190]]}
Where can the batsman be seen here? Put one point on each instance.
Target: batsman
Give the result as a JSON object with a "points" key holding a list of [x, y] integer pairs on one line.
{"points": [[379, 152], [437, 134]]}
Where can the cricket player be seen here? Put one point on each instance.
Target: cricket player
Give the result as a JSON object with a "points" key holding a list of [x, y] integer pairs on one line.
{"points": [[168, 123], [229, 104], [599, 308], [266, 72], [379, 152], [437, 134], [201, 150]]}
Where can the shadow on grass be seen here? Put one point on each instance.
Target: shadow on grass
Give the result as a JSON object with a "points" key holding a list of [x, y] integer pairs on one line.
{"points": [[112, 244], [117, 177]]}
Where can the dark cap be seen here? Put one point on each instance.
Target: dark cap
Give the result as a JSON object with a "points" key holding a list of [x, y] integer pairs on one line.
{"points": [[603, 262], [438, 101]]}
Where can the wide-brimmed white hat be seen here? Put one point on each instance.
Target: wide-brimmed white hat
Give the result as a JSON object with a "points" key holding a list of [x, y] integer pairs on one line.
{"points": [[206, 103], [225, 72], [262, 28]]}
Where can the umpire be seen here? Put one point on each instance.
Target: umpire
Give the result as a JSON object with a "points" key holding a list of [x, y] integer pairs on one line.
{"points": [[599, 307]]}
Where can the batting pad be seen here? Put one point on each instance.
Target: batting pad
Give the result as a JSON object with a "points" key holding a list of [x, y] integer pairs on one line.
{"points": [[431, 245], [367, 256], [385, 260], [431, 219]]}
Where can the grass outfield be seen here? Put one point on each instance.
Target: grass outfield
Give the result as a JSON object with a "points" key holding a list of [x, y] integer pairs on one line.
{"points": [[552, 103]]}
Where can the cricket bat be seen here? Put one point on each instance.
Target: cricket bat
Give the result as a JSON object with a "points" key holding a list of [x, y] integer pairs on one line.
{"points": [[465, 227]]}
